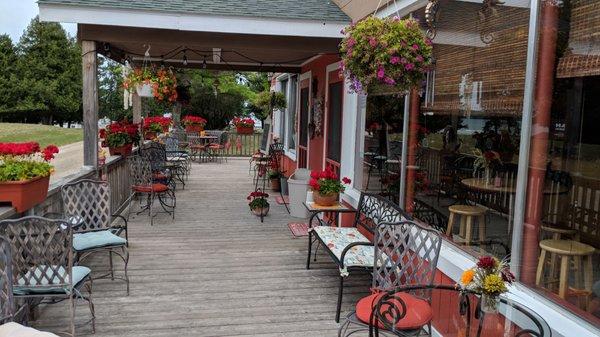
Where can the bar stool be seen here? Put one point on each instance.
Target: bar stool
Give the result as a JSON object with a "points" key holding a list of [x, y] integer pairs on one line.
{"points": [[467, 214], [565, 250]]}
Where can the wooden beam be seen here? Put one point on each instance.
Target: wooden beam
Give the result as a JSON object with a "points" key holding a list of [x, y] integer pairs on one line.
{"points": [[137, 108], [90, 103]]}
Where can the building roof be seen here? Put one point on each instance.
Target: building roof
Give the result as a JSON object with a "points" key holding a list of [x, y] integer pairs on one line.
{"points": [[322, 10]]}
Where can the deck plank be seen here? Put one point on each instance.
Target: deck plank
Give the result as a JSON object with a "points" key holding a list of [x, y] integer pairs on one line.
{"points": [[215, 271]]}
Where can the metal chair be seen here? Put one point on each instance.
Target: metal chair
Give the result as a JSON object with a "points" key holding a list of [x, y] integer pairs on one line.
{"points": [[219, 150], [7, 302], [42, 263], [406, 253], [89, 201], [177, 160], [143, 183]]}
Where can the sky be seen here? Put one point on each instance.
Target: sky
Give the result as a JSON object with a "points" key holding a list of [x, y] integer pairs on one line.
{"points": [[15, 15]]}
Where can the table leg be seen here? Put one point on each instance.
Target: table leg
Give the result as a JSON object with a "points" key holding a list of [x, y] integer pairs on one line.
{"points": [[563, 281], [540, 269], [481, 229], [469, 223], [450, 225]]}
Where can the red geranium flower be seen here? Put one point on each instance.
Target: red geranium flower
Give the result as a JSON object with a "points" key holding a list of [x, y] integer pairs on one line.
{"points": [[346, 180], [486, 262]]}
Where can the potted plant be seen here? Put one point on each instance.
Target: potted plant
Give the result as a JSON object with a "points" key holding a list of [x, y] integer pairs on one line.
{"points": [[488, 161], [244, 126], [155, 125], [120, 137], [490, 277], [194, 123], [142, 80], [326, 187], [258, 203], [386, 52], [25, 173], [274, 177]]}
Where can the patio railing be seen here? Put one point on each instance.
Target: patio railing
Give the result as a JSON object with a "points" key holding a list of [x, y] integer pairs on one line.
{"points": [[243, 145]]}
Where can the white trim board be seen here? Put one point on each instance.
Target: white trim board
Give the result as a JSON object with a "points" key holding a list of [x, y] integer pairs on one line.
{"points": [[189, 22]]}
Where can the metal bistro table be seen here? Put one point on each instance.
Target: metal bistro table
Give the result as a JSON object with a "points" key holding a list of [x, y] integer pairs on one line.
{"points": [[512, 319]]}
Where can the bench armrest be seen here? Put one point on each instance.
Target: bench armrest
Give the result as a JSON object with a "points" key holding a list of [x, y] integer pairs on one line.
{"points": [[350, 246], [320, 221]]}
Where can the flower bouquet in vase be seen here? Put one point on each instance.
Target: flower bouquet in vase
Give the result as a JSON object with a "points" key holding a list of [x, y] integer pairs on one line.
{"points": [[490, 277], [327, 187]]}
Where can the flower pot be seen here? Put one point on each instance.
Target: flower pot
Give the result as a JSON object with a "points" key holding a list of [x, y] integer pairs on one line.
{"points": [[144, 90], [245, 130], [275, 184], [124, 150], [194, 128], [23, 195], [327, 199], [489, 303], [149, 135], [260, 211]]}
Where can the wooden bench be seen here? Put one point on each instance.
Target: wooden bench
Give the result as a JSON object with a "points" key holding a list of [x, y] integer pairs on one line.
{"points": [[348, 247]]}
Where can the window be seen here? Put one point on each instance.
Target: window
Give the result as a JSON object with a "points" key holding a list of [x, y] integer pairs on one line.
{"points": [[291, 114], [334, 121], [304, 111], [282, 121]]}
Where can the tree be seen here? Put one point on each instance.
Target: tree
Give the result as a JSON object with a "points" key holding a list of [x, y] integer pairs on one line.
{"points": [[110, 90], [50, 70], [266, 102], [8, 77]]}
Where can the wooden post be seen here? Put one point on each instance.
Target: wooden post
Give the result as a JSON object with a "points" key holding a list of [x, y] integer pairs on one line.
{"points": [[90, 103], [137, 108], [413, 143]]}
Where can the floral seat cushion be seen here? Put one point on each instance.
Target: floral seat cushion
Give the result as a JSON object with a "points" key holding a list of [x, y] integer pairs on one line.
{"points": [[338, 238]]}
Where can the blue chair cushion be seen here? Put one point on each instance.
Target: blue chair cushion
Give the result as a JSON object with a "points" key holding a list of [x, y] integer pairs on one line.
{"points": [[83, 241], [34, 286]]}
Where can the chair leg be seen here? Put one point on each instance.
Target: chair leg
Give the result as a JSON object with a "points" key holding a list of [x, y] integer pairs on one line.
{"points": [[112, 268], [309, 250], [89, 287], [72, 312], [339, 300], [126, 254]]}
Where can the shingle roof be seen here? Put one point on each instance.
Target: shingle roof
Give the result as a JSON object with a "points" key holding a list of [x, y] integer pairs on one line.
{"points": [[284, 9]]}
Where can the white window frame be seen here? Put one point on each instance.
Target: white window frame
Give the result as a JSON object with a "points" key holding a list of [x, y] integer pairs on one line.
{"points": [[291, 152]]}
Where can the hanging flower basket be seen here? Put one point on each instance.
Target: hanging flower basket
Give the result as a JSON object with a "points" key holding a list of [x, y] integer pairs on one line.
{"points": [[385, 52], [144, 90]]}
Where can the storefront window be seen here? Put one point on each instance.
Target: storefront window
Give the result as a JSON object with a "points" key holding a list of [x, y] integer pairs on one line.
{"points": [[561, 231], [465, 125]]}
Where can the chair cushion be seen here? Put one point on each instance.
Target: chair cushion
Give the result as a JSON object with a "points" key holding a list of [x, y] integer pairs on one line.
{"points": [[17, 330], [79, 273], [159, 176], [154, 188], [83, 241], [338, 238], [418, 311]]}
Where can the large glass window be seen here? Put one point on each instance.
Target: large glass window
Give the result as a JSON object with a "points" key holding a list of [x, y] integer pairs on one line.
{"points": [[561, 231], [334, 121]]}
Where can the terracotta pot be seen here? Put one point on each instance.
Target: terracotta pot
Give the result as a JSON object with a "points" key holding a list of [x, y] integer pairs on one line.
{"points": [[124, 150], [149, 135], [245, 130], [23, 195], [194, 128], [326, 200], [261, 211], [275, 185]]}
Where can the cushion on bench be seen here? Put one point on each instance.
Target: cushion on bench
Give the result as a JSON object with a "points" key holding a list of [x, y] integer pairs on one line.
{"points": [[338, 238]]}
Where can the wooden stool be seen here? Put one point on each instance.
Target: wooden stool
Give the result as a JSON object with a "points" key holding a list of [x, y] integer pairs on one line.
{"points": [[559, 232], [565, 250], [467, 214]]}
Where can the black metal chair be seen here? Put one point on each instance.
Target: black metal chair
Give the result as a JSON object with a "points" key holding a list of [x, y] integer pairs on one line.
{"points": [[406, 253], [42, 264], [89, 201]]}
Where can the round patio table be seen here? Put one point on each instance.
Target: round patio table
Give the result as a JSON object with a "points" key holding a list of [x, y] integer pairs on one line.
{"points": [[460, 312]]}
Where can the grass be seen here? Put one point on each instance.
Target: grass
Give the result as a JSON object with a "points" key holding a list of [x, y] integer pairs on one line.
{"points": [[43, 134]]}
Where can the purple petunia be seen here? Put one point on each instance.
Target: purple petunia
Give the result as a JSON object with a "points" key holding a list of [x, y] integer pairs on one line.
{"points": [[409, 66], [394, 60], [380, 73], [389, 81], [415, 46], [419, 58], [373, 42]]}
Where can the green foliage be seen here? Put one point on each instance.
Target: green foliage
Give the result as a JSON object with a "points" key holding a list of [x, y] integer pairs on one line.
{"points": [[330, 186], [265, 102], [258, 203], [117, 139], [110, 90], [8, 76], [43, 134], [49, 72], [21, 170]]}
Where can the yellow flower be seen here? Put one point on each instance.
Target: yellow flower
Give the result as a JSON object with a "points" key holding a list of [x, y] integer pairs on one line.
{"points": [[467, 276], [494, 284]]}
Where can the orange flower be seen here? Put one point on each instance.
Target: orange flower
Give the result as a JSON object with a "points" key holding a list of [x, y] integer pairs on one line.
{"points": [[467, 276]]}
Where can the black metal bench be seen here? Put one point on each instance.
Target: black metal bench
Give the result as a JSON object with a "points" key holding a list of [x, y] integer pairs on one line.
{"points": [[348, 247]]}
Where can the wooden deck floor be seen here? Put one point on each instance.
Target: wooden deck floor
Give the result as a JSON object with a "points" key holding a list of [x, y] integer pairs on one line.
{"points": [[215, 271]]}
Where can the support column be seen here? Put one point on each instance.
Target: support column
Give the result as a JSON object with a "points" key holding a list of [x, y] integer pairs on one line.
{"points": [[90, 103], [137, 108], [413, 143], [539, 140]]}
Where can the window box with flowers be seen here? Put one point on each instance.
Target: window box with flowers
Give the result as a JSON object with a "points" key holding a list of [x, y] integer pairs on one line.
{"points": [[326, 187], [194, 123], [25, 173], [385, 54], [244, 126], [120, 137], [259, 205]]}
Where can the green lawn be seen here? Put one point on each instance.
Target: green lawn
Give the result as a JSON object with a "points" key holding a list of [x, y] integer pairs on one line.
{"points": [[43, 134]]}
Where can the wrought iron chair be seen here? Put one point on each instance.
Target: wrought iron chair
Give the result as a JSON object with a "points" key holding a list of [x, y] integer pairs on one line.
{"points": [[143, 183], [406, 253], [42, 263], [431, 216], [177, 160], [7, 303], [219, 149], [89, 201], [196, 147]]}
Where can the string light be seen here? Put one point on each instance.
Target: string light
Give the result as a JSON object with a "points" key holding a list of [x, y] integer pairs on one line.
{"points": [[185, 60]]}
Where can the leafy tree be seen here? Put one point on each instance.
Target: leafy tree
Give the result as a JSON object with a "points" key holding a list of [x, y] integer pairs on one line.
{"points": [[266, 102], [110, 90], [50, 71], [8, 76]]}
